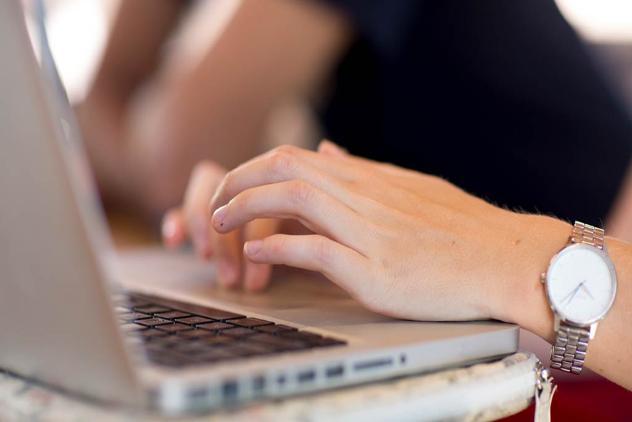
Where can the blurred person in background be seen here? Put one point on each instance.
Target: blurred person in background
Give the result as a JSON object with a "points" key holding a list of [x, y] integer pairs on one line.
{"points": [[500, 98]]}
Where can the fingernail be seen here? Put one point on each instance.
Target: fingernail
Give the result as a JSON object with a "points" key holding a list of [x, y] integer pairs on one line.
{"points": [[226, 273], [253, 247], [219, 215]]}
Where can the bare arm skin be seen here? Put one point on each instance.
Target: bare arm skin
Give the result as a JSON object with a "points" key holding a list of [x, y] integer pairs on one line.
{"points": [[131, 57], [269, 51]]}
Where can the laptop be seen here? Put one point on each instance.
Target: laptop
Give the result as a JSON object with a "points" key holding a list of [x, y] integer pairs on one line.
{"points": [[150, 328]]}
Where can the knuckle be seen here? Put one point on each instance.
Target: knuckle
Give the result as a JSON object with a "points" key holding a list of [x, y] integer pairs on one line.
{"points": [[322, 252], [282, 161], [301, 193]]}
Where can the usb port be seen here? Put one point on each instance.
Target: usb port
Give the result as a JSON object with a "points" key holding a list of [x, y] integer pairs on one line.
{"points": [[230, 390], [259, 383], [335, 371], [306, 376]]}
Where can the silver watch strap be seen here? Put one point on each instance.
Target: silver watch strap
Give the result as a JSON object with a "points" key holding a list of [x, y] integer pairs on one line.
{"points": [[587, 234], [569, 352], [571, 342]]}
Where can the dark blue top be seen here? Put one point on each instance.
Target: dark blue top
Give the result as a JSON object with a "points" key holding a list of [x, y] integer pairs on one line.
{"points": [[499, 97]]}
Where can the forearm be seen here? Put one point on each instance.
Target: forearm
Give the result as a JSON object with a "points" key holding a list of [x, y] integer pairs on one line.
{"points": [[134, 46], [609, 352], [218, 109]]}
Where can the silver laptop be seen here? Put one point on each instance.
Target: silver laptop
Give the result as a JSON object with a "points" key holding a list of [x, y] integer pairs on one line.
{"points": [[150, 328]]}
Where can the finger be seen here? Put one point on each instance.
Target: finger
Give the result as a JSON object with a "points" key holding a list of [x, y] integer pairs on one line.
{"points": [[311, 252], [299, 200], [257, 276], [205, 178], [282, 165], [228, 255], [174, 230]]}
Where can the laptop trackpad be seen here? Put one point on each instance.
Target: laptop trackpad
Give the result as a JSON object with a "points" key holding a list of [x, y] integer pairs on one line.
{"points": [[296, 296]]}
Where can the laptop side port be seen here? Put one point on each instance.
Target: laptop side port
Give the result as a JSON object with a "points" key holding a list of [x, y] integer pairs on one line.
{"points": [[258, 384], [373, 363], [335, 371], [230, 390], [198, 393], [306, 376]]}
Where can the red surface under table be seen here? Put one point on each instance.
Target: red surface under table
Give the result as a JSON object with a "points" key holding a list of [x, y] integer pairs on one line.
{"points": [[594, 399], [587, 397]]}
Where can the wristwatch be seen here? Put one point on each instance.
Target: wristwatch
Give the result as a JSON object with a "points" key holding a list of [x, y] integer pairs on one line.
{"points": [[580, 284]]}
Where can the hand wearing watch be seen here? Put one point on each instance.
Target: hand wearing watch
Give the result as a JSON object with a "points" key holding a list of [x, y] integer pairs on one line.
{"points": [[581, 285]]}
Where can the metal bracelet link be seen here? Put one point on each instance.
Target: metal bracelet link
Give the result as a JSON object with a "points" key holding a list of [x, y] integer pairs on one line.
{"points": [[587, 234], [569, 352]]}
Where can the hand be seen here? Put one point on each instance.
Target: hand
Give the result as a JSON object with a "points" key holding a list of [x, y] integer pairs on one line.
{"points": [[405, 244], [192, 220]]}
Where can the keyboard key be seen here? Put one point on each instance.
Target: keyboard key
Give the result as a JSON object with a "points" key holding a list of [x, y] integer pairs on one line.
{"points": [[302, 335], [151, 309], [220, 315], [219, 340], [195, 333], [265, 338], [174, 327], [173, 314], [152, 322], [215, 326], [194, 320], [215, 355], [167, 341], [327, 342], [152, 333], [250, 322], [179, 334], [252, 349], [238, 332], [282, 344], [275, 329]]}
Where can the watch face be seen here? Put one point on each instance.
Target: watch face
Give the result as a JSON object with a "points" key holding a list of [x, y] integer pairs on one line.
{"points": [[581, 284]]}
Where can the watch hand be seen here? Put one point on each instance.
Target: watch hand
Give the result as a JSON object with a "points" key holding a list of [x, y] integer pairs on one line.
{"points": [[573, 296], [587, 291], [570, 294]]}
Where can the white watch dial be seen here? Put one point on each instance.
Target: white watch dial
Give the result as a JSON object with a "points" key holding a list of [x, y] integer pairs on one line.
{"points": [[581, 284]]}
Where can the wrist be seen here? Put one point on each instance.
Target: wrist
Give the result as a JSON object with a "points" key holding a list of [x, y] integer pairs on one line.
{"points": [[525, 301]]}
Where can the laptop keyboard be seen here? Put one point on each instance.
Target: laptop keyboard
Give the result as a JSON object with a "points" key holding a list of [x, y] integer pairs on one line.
{"points": [[178, 334]]}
